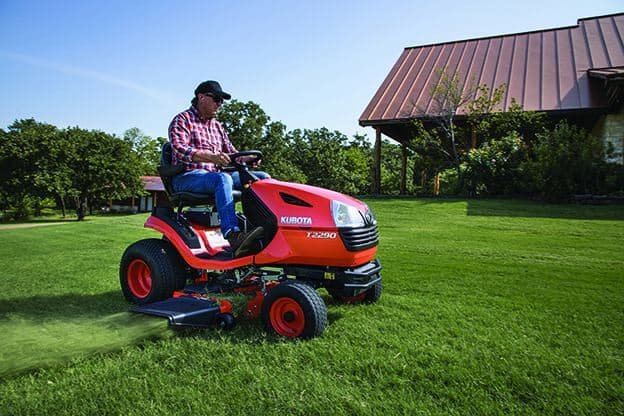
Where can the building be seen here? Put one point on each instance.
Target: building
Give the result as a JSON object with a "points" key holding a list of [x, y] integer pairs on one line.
{"points": [[155, 191], [570, 72]]}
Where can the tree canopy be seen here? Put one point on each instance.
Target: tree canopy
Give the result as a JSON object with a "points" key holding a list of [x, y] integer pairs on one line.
{"points": [[76, 166], [492, 152]]}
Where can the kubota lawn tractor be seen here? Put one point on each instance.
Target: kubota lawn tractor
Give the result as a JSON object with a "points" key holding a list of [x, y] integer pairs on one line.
{"points": [[312, 238]]}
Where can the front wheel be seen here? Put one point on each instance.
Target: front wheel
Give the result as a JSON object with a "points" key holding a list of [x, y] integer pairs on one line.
{"points": [[370, 295], [294, 310], [225, 321]]}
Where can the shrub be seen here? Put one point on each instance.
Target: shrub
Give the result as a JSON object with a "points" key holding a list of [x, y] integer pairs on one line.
{"points": [[614, 180], [448, 182], [567, 161], [496, 167]]}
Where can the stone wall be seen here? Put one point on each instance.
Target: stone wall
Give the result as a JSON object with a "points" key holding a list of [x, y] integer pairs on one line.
{"points": [[610, 128]]}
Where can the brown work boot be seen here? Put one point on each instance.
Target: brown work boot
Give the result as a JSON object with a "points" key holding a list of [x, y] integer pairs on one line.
{"points": [[242, 244]]}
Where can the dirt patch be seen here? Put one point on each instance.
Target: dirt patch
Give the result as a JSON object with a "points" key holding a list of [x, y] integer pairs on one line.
{"points": [[29, 225]]}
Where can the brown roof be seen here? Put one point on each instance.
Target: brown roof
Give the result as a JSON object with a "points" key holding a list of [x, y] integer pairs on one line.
{"points": [[544, 70], [152, 183]]}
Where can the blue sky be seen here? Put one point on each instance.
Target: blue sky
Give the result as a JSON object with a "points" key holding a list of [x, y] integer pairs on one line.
{"points": [[112, 65]]}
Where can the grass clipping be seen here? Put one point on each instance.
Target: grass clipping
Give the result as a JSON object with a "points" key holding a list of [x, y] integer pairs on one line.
{"points": [[27, 345]]}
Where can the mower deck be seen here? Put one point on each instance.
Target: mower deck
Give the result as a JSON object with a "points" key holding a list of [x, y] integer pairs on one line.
{"points": [[184, 311]]}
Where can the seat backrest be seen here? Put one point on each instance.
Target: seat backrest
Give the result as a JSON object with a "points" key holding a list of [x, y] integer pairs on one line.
{"points": [[167, 170]]}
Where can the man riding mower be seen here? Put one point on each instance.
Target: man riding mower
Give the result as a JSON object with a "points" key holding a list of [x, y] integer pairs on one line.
{"points": [[311, 238]]}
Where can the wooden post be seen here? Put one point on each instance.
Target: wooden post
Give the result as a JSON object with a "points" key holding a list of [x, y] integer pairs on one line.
{"points": [[402, 189], [473, 144], [376, 188], [436, 184]]}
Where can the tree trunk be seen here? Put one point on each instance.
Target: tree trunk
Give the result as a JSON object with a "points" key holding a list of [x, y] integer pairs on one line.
{"points": [[62, 205], [453, 145], [460, 180], [403, 186], [80, 208], [473, 144]]}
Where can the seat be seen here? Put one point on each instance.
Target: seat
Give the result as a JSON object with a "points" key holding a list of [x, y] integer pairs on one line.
{"points": [[167, 171]]}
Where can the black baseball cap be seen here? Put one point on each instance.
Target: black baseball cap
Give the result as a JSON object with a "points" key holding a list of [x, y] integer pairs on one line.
{"points": [[212, 87]]}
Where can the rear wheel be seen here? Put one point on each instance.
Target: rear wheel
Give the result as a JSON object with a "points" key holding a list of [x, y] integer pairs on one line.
{"points": [[150, 271], [294, 310], [189, 272]]}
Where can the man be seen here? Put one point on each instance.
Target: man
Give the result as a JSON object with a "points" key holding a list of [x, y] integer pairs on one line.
{"points": [[200, 143]]}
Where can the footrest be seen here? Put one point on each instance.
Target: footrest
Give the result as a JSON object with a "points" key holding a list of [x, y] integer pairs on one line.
{"points": [[183, 311]]}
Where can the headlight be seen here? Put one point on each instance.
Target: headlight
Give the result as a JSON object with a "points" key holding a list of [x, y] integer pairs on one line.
{"points": [[370, 217], [346, 215]]}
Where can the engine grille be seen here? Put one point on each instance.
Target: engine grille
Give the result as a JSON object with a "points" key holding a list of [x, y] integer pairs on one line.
{"points": [[361, 238]]}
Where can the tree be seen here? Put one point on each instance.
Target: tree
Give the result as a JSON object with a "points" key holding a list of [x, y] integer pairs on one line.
{"points": [[250, 128], [480, 109], [359, 155], [279, 154], [496, 168], [33, 166], [390, 168], [245, 123], [447, 96], [528, 124], [431, 157], [146, 148], [322, 156], [568, 160], [104, 167]]}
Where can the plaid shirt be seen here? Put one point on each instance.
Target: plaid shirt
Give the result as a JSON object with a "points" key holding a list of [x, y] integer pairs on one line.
{"points": [[188, 134]]}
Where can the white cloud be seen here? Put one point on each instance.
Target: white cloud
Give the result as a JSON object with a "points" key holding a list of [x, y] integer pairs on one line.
{"points": [[86, 73]]}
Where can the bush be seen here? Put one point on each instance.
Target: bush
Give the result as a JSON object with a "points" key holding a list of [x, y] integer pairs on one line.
{"points": [[391, 170], [567, 161], [614, 180], [496, 167], [448, 182]]}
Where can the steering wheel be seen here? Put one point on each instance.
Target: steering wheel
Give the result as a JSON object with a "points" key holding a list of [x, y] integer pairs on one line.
{"points": [[254, 157]]}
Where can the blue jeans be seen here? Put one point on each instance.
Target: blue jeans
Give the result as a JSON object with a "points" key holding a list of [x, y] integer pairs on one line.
{"points": [[220, 185], [237, 182], [217, 183]]}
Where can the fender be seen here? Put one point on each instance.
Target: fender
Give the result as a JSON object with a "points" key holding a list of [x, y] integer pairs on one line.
{"points": [[221, 261]]}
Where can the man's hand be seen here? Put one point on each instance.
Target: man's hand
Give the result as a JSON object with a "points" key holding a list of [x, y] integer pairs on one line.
{"points": [[219, 158], [247, 159]]}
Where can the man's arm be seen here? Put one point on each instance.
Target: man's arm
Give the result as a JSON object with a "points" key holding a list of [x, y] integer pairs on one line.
{"points": [[180, 138], [183, 150]]}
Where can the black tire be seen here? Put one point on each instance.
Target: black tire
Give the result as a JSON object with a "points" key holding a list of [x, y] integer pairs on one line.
{"points": [[374, 293], [150, 270], [371, 295], [294, 310], [225, 321], [189, 272]]}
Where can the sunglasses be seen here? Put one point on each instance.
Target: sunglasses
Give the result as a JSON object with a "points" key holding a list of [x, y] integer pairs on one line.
{"points": [[218, 100]]}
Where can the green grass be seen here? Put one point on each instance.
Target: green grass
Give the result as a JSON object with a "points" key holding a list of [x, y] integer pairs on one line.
{"points": [[490, 307]]}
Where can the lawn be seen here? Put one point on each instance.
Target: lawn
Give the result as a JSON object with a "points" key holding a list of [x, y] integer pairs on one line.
{"points": [[490, 307]]}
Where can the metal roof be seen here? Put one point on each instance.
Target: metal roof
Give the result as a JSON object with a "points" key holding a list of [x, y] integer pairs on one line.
{"points": [[544, 70]]}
